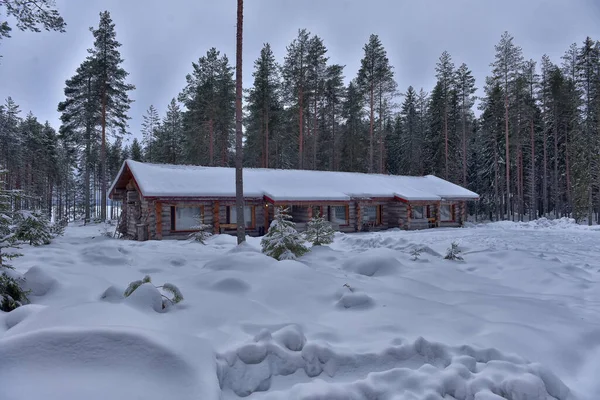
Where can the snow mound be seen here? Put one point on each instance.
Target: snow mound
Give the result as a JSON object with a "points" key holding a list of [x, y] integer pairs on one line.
{"points": [[375, 262], [231, 285], [356, 301], [145, 297], [245, 247], [38, 281], [19, 314], [422, 369], [102, 363], [113, 294], [245, 261], [389, 239], [541, 223]]}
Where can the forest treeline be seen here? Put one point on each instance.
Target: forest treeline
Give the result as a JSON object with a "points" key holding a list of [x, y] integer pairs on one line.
{"points": [[531, 150]]}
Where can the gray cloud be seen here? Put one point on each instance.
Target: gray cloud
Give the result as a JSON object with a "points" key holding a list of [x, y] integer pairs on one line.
{"points": [[161, 39]]}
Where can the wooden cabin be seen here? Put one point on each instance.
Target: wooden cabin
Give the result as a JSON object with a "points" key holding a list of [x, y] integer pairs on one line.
{"points": [[162, 201]]}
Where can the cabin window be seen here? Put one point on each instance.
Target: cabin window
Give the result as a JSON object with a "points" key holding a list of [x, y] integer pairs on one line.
{"points": [[339, 215], [372, 214], [418, 212], [186, 218], [249, 216], [446, 212]]}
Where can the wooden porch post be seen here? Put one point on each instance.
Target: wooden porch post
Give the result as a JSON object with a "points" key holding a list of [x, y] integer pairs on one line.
{"points": [[438, 214], [408, 215], [267, 223], [159, 220], [310, 213], [358, 217], [216, 222]]}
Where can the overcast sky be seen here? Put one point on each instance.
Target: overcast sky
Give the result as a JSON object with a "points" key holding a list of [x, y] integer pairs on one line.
{"points": [[160, 39]]}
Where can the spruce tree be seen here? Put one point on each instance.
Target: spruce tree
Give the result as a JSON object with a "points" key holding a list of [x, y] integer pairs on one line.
{"points": [[334, 93], [319, 231], [113, 89], [264, 110], [282, 241], [375, 80], [150, 128], [354, 132], [465, 89], [136, 150], [169, 137]]}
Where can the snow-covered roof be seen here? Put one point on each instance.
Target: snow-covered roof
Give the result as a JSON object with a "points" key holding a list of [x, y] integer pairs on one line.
{"points": [[164, 180]]}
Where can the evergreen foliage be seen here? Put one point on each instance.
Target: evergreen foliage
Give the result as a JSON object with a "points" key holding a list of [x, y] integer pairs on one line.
{"points": [[319, 231], [11, 293], [202, 231], [282, 241], [453, 252], [33, 227], [175, 294]]}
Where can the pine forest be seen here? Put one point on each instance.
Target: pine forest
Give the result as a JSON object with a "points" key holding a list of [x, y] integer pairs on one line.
{"points": [[527, 139]]}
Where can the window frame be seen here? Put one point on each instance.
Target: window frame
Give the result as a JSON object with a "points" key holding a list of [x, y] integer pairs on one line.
{"points": [[452, 213], [347, 213], [378, 214], [252, 216], [423, 212], [174, 216]]}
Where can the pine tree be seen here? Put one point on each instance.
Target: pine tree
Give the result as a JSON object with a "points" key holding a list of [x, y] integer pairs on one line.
{"points": [[264, 110], [334, 93], [170, 137], [209, 98], [446, 78], [319, 231], [113, 89], [354, 132], [295, 82], [317, 68], [506, 68], [31, 16], [150, 128], [282, 241], [136, 150], [375, 80], [465, 89]]}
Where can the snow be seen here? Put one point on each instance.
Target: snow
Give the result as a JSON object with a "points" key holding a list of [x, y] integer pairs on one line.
{"points": [[358, 319], [162, 180]]}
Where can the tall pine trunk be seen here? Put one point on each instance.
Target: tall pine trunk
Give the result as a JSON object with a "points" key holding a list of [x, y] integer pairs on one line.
{"points": [[532, 211], [371, 123], [239, 157], [545, 177], [446, 136], [103, 159], [464, 142], [507, 155], [267, 138], [301, 127], [211, 138], [557, 205], [315, 133]]}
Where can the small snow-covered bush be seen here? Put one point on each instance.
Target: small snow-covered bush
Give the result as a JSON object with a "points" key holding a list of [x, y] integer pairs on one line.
{"points": [[319, 231], [203, 231], [33, 227], [282, 241], [453, 252], [11, 293], [57, 228], [176, 295], [416, 253]]}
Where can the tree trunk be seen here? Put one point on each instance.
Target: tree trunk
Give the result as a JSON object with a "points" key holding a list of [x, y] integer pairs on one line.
{"points": [[333, 146], [372, 117], [507, 155], [239, 157], [267, 139], [103, 159], [545, 178], [464, 141], [301, 128], [568, 168], [211, 142], [557, 205], [446, 136], [532, 211], [315, 133]]}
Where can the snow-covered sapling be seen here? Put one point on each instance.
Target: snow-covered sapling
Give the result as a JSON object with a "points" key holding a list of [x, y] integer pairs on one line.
{"points": [[11, 293], [416, 253], [176, 295], [202, 231], [33, 227], [453, 252], [57, 228], [282, 241], [319, 231]]}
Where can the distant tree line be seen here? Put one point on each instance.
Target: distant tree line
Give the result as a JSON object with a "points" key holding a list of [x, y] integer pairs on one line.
{"points": [[532, 150]]}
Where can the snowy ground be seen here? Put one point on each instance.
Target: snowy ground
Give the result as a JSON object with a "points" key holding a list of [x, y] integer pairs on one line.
{"points": [[518, 319]]}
